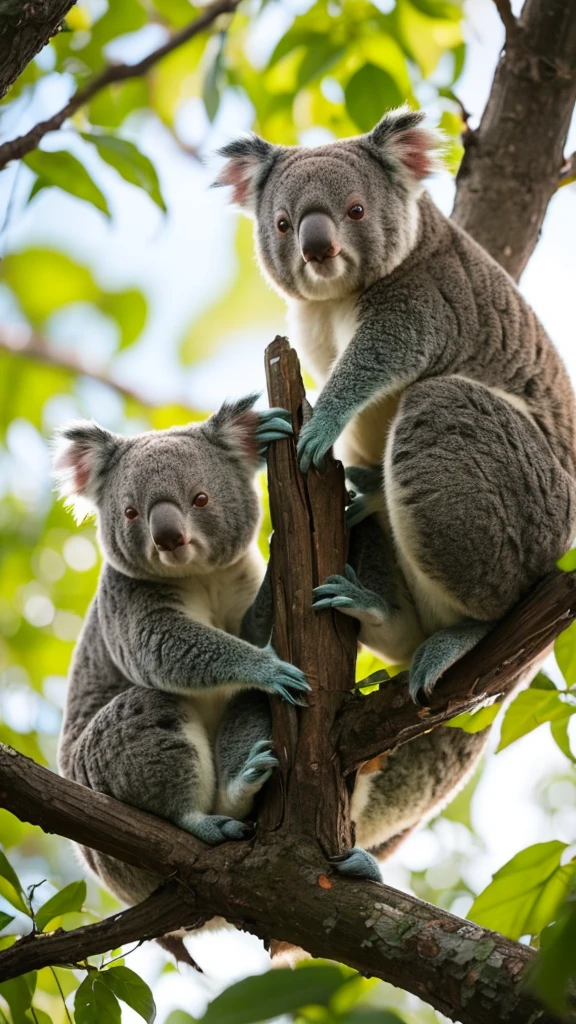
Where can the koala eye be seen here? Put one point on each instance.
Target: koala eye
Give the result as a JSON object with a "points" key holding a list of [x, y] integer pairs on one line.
{"points": [[356, 212], [131, 512], [200, 500], [283, 225]]}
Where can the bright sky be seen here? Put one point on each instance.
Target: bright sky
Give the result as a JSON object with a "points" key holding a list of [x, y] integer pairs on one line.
{"points": [[183, 263]]}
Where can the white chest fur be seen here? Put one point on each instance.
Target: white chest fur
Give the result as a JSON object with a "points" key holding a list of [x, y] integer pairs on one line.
{"points": [[221, 598], [321, 330]]}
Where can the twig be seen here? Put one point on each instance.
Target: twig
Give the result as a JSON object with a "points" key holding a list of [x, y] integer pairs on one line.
{"points": [[22, 342], [567, 171], [62, 996], [507, 18], [16, 148]]}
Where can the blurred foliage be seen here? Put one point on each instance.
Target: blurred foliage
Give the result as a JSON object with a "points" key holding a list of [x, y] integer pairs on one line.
{"points": [[327, 71]]}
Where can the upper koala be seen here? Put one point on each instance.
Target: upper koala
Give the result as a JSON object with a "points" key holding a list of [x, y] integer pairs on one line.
{"points": [[354, 200]]}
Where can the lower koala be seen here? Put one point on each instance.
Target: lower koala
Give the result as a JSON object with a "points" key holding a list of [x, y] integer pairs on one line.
{"points": [[167, 706]]}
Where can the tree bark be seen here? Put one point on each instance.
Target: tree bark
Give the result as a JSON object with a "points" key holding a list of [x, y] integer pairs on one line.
{"points": [[25, 27], [513, 162]]}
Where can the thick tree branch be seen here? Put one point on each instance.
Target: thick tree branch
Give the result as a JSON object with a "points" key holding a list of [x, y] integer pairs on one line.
{"points": [[512, 163], [507, 18], [25, 27], [383, 720], [25, 343], [17, 148], [464, 971]]}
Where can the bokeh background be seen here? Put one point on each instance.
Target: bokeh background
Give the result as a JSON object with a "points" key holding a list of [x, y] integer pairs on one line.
{"points": [[143, 307]]}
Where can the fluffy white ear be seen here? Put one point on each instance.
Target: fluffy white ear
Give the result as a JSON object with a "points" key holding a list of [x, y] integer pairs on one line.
{"points": [[234, 427], [401, 134], [81, 454], [249, 161]]}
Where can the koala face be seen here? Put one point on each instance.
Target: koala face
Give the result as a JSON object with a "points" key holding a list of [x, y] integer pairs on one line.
{"points": [[169, 503], [332, 220]]}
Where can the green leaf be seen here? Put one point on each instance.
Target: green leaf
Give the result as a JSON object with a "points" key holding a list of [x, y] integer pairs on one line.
{"points": [[568, 561], [561, 736], [127, 986], [275, 993], [130, 311], [211, 84], [529, 710], [321, 54], [565, 652], [10, 887], [44, 280], [18, 993], [5, 920], [95, 1003], [70, 898], [64, 171], [370, 91], [525, 894], [294, 38], [475, 721], [130, 163], [555, 968], [542, 682], [179, 1017], [369, 1015]]}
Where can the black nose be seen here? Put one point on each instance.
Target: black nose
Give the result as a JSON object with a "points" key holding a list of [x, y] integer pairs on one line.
{"points": [[167, 526], [318, 238]]}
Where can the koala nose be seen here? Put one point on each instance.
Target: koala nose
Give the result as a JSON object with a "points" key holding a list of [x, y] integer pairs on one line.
{"points": [[167, 526], [317, 237]]}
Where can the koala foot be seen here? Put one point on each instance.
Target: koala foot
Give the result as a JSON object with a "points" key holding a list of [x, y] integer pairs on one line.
{"points": [[357, 863], [285, 680], [273, 425], [317, 437], [214, 829], [367, 481], [259, 765], [439, 652], [347, 594]]}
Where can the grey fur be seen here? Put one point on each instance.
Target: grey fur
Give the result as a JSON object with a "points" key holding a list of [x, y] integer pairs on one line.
{"points": [[160, 676]]}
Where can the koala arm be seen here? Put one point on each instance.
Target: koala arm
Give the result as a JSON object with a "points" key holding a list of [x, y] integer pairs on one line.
{"points": [[394, 345], [155, 644], [257, 623]]}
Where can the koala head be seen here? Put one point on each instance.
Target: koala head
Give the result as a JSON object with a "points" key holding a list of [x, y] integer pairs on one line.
{"points": [[333, 219], [169, 503]]}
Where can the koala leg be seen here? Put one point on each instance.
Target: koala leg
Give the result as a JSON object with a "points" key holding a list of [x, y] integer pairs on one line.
{"points": [[411, 785], [244, 757], [479, 506]]}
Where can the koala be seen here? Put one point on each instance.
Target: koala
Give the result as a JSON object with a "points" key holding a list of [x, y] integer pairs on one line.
{"points": [[167, 707], [437, 381]]}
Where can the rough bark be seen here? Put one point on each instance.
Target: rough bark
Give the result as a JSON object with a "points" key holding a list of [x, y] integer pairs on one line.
{"points": [[281, 886], [25, 27], [513, 163]]}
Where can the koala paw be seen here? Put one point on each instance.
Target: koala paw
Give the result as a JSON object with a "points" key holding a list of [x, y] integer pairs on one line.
{"points": [[214, 829], [347, 594], [273, 425], [357, 863], [439, 652], [315, 441], [285, 680], [367, 482], [259, 765], [365, 479]]}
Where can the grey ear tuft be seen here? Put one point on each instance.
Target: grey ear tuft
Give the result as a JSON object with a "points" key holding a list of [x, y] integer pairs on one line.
{"points": [[81, 453], [249, 160], [233, 427], [400, 133]]}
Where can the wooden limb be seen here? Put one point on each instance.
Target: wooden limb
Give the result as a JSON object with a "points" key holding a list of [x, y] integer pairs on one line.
{"points": [[25, 27], [507, 18], [283, 887], [512, 163], [14, 149], [309, 543], [383, 720]]}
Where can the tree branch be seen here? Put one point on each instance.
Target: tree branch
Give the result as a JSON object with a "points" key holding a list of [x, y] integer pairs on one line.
{"points": [[383, 720], [160, 913], [25, 343], [24, 29], [512, 163], [17, 148], [507, 18], [464, 971]]}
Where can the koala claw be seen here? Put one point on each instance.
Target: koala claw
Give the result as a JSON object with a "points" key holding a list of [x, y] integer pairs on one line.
{"points": [[214, 829], [273, 425], [260, 764], [439, 652], [287, 681], [357, 863], [348, 594], [359, 508], [315, 441]]}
